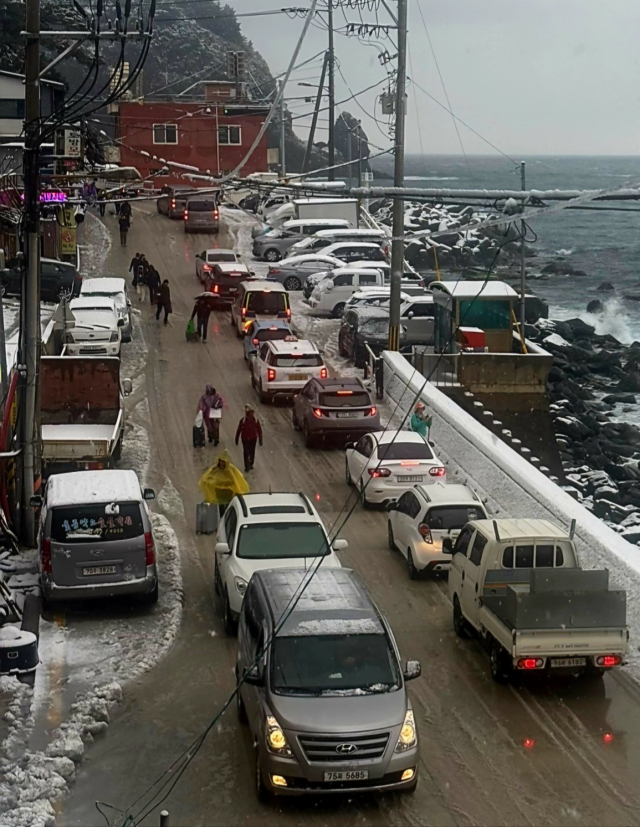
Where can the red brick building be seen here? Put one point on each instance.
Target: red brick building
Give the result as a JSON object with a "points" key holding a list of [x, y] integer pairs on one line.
{"points": [[213, 133]]}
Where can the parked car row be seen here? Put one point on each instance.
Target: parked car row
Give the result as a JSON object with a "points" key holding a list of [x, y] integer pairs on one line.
{"points": [[58, 279]]}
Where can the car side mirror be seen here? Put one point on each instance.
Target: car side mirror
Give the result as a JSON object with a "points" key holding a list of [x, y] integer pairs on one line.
{"points": [[410, 314], [149, 494], [222, 548], [35, 501], [432, 443], [120, 322], [447, 545], [253, 677], [329, 286], [340, 544], [127, 387], [412, 670], [349, 446]]}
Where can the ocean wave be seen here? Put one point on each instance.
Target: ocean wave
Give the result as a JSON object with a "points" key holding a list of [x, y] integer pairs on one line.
{"points": [[563, 252], [612, 319], [430, 178]]}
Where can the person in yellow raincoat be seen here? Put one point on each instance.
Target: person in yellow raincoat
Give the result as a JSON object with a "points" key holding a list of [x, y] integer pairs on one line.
{"points": [[220, 483]]}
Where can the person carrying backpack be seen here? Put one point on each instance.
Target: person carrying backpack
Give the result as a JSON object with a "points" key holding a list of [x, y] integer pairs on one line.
{"points": [[250, 431]]}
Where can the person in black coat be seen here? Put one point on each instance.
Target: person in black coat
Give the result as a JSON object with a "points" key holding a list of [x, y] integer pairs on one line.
{"points": [[153, 283], [201, 311], [164, 301]]}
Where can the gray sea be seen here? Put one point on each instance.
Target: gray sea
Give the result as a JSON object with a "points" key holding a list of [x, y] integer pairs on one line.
{"points": [[604, 243]]}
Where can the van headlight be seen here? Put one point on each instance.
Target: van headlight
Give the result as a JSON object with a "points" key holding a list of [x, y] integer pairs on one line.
{"points": [[240, 584], [114, 337], [408, 737], [276, 739]]}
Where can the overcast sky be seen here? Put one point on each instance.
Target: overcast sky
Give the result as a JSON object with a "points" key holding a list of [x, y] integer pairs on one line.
{"points": [[558, 77]]}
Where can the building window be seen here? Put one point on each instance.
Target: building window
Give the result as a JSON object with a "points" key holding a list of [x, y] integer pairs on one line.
{"points": [[165, 133], [11, 109], [229, 135]]}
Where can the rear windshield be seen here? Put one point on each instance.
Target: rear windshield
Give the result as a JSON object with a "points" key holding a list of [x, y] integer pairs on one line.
{"points": [[333, 664], [405, 450], [454, 516], [267, 301], [202, 206], [87, 523], [313, 360], [274, 541], [221, 257], [345, 399], [272, 335]]}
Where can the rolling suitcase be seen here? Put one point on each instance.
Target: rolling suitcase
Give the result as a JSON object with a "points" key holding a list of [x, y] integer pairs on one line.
{"points": [[207, 518], [198, 436]]}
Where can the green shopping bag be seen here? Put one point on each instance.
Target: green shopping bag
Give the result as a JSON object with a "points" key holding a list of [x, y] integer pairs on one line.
{"points": [[191, 331]]}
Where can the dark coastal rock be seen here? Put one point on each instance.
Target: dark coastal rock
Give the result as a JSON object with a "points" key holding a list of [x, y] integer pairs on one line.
{"points": [[620, 399], [549, 269], [580, 329], [607, 510], [630, 382], [595, 306], [606, 287]]}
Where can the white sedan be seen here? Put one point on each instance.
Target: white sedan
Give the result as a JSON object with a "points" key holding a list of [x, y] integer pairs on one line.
{"points": [[384, 465]]}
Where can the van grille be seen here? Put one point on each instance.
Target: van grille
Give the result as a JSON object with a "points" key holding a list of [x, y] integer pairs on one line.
{"points": [[326, 748]]}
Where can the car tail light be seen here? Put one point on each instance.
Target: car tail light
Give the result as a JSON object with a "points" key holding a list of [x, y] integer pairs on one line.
{"points": [[271, 374], [45, 556], [78, 277], [275, 271], [173, 203], [372, 411], [425, 532], [244, 311], [530, 663], [345, 393], [215, 214], [608, 660], [323, 373], [208, 268], [256, 342], [149, 549], [379, 472], [216, 288], [288, 312], [186, 214], [438, 472], [318, 412]]}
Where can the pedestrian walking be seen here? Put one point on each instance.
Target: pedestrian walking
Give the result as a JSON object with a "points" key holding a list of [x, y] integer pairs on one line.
{"points": [[421, 421], [164, 301], [152, 280], [202, 309], [125, 209], [102, 201], [211, 404], [133, 266], [250, 431], [123, 223]]}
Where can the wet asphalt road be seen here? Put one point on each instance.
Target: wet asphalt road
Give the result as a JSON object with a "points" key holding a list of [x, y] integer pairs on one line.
{"points": [[567, 754]]}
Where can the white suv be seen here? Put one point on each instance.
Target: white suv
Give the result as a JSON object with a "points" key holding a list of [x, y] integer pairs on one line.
{"points": [[267, 531], [282, 368], [332, 293], [93, 327], [424, 516]]}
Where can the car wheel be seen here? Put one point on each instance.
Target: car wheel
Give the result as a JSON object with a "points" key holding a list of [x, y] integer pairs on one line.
{"points": [[411, 566], [217, 582], [500, 669], [272, 255], [338, 310], [342, 349], [294, 421], [390, 537], [363, 496], [262, 791], [459, 623], [292, 283], [238, 334], [227, 618], [347, 472], [309, 438], [264, 397], [253, 378]]}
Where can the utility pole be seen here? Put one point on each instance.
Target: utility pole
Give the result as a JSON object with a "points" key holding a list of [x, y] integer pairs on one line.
{"points": [[523, 309], [283, 158], [30, 342], [332, 96], [316, 112], [397, 244]]}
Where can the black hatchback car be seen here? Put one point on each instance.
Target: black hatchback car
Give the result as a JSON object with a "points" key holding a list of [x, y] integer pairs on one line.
{"points": [[57, 279], [226, 276]]}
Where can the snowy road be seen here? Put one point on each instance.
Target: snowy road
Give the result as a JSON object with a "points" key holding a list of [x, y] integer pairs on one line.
{"points": [[528, 755]]}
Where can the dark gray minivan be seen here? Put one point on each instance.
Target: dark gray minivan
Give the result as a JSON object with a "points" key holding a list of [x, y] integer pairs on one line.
{"points": [[201, 215], [95, 537], [326, 702]]}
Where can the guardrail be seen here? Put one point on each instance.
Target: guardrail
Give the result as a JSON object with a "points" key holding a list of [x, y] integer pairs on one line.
{"points": [[441, 369]]}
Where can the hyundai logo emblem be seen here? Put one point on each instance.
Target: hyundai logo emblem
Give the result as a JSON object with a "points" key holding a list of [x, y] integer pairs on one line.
{"points": [[346, 749]]}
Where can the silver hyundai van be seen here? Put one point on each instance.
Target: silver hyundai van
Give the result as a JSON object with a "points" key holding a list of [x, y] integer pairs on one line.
{"points": [[201, 215], [321, 687], [95, 537]]}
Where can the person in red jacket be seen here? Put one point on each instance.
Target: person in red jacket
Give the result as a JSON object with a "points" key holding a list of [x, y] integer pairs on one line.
{"points": [[250, 431]]}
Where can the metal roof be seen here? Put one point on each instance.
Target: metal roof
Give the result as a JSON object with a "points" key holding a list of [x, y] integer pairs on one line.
{"points": [[442, 493], [282, 348], [521, 529], [87, 487], [474, 289]]}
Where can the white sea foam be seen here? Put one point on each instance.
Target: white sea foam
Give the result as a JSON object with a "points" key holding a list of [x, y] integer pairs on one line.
{"points": [[612, 319], [563, 252]]}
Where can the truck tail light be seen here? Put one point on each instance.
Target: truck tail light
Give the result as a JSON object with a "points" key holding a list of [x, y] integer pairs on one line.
{"points": [[149, 549], [425, 532], [288, 312], [45, 556], [530, 663], [271, 374], [372, 411], [608, 660], [379, 472], [437, 472], [256, 342], [244, 311], [323, 373]]}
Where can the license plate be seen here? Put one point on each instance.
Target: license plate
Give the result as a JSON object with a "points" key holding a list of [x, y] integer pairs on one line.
{"points": [[560, 662], [409, 477], [89, 571], [297, 377], [93, 347], [347, 415], [233, 289], [347, 775]]}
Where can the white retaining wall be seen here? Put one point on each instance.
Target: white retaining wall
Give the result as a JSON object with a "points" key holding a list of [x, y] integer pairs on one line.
{"points": [[516, 486]]}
